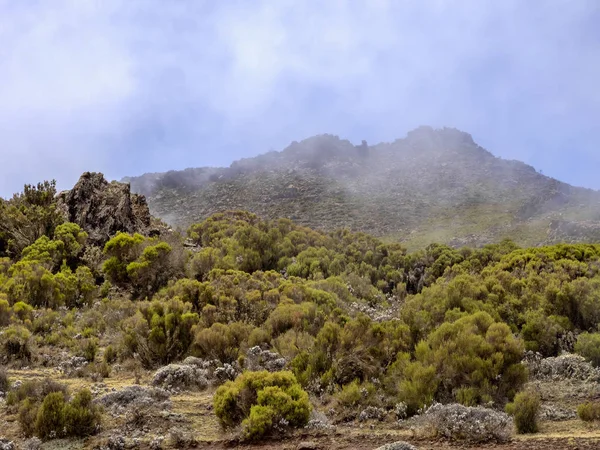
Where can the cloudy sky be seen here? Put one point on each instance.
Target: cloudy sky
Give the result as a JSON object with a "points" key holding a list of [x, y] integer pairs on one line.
{"points": [[133, 86]]}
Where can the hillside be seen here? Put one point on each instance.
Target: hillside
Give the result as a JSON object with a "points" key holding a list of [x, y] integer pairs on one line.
{"points": [[117, 332], [432, 186]]}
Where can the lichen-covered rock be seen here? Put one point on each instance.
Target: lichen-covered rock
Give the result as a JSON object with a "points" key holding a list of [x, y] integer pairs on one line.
{"points": [[259, 359], [5, 444], [371, 413], [472, 424], [556, 413], [563, 367], [102, 208], [136, 397], [181, 377], [225, 373], [32, 444], [400, 445]]}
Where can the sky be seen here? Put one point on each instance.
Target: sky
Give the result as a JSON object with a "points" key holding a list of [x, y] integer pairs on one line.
{"points": [[126, 87]]}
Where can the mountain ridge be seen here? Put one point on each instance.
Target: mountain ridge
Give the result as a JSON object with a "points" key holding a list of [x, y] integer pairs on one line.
{"points": [[434, 185]]}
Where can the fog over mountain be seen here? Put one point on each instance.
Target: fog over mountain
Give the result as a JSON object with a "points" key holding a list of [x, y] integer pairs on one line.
{"points": [[432, 185]]}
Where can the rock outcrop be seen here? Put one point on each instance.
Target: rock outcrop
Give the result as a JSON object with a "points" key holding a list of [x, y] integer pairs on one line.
{"points": [[102, 208]]}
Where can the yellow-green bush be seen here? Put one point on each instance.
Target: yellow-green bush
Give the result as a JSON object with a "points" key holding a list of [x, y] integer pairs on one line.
{"points": [[588, 346], [260, 400], [15, 341], [45, 412], [222, 342], [525, 410], [160, 332], [473, 353], [589, 411]]}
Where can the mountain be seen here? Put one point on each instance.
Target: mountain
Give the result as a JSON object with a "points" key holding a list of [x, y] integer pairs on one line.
{"points": [[435, 185]]}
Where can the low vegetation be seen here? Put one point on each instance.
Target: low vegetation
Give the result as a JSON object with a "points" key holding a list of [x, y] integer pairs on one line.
{"points": [[262, 402], [525, 409], [358, 325]]}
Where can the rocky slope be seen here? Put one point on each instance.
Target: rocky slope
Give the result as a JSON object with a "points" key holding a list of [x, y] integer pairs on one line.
{"points": [[433, 185]]}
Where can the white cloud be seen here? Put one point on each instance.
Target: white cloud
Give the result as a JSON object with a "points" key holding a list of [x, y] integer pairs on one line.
{"points": [[114, 85]]}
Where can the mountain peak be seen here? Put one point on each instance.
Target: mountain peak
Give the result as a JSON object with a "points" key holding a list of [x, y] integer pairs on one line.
{"points": [[433, 185]]}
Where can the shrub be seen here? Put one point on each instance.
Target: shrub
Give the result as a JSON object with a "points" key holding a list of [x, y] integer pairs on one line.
{"points": [[260, 401], [222, 342], [350, 394], [472, 424], [81, 416], [588, 346], [160, 332], [473, 359], [15, 342], [89, 348], [4, 381], [110, 355], [35, 390], [525, 410], [5, 311], [589, 411], [50, 420], [28, 412], [53, 416]]}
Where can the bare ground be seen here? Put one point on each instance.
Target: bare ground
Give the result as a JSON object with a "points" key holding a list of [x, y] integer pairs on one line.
{"points": [[192, 413]]}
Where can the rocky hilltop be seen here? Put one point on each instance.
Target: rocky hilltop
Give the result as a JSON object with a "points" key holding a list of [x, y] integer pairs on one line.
{"points": [[433, 185], [102, 208]]}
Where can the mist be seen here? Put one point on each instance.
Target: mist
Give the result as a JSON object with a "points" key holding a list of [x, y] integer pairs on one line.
{"points": [[128, 87]]}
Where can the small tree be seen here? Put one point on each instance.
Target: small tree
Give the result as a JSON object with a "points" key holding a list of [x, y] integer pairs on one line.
{"points": [[525, 410], [160, 332]]}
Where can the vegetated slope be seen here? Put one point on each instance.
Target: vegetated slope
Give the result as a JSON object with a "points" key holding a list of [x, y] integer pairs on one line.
{"points": [[432, 186]]}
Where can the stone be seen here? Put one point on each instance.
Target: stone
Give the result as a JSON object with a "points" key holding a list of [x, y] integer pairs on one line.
{"points": [[102, 208], [400, 445]]}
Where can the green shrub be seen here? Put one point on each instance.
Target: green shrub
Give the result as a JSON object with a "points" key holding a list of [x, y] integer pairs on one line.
{"points": [[222, 342], [89, 348], [350, 394], [28, 412], [110, 355], [589, 411], [34, 390], [260, 400], [525, 410], [160, 332], [4, 381], [50, 420], [45, 412], [473, 359], [16, 342], [5, 311], [81, 415], [588, 346]]}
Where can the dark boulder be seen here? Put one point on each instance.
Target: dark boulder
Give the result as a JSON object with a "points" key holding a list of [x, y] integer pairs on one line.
{"points": [[102, 208]]}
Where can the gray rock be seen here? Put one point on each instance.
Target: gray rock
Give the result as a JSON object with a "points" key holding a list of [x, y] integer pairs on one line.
{"points": [[400, 445], [181, 377], [472, 424], [135, 397], [32, 444], [225, 373], [5, 444], [563, 367], [372, 413], [102, 208], [259, 359]]}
